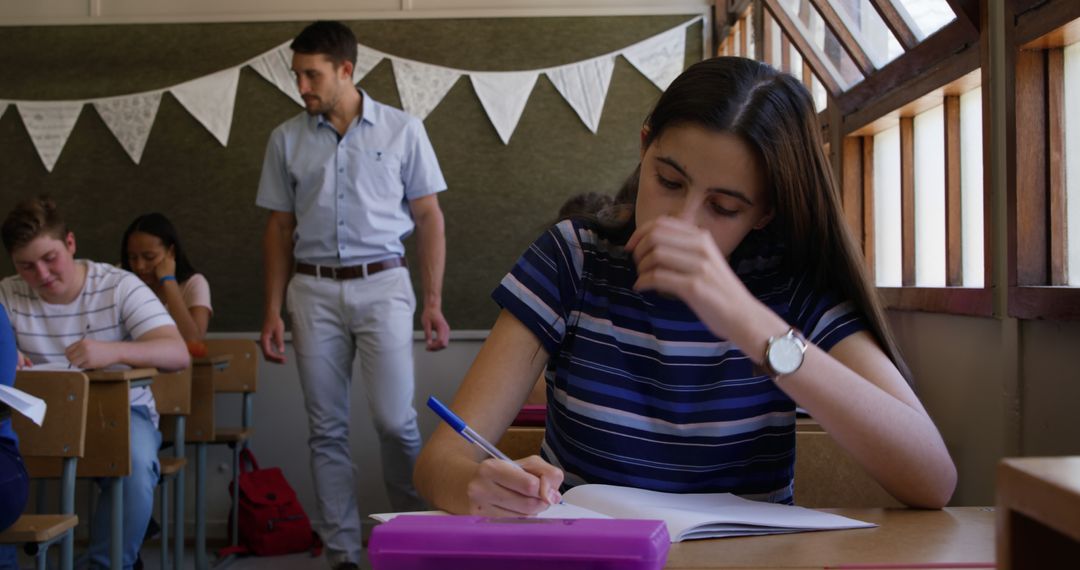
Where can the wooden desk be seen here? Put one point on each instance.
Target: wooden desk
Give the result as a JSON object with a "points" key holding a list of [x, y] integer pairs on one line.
{"points": [[1038, 523], [953, 538], [108, 441]]}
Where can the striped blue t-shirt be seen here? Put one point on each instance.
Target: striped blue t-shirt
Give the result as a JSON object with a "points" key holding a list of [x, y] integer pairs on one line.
{"points": [[640, 393]]}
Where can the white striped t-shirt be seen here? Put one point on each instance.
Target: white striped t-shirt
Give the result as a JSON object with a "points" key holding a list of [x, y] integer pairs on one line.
{"points": [[114, 305]]}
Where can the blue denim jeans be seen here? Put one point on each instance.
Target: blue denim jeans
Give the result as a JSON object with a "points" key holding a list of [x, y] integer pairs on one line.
{"points": [[138, 489], [13, 493]]}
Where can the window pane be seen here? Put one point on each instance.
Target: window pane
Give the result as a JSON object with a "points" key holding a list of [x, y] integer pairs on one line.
{"points": [[1072, 161], [869, 30], [928, 16], [888, 250], [971, 187], [813, 29], [796, 62], [750, 39], [777, 44], [736, 41], [821, 97], [930, 198]]}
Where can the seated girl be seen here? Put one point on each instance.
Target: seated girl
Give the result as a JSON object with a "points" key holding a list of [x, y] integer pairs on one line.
{"points": [[679, 328], [151, 249]]}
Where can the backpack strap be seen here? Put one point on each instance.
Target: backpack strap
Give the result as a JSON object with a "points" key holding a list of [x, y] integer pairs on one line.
{"points": [[248, 461], [227, 551]]}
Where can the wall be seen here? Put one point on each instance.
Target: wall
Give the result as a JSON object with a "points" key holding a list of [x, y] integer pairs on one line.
{"points": [[500, 196], [41, 12]]}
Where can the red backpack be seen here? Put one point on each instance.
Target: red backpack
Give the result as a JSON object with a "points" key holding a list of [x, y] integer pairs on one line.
{"points": [[271, 520]]}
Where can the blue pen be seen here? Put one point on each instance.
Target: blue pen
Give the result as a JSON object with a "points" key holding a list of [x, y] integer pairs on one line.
{"points": [[467, 432]]}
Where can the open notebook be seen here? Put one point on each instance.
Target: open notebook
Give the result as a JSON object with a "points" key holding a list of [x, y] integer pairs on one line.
{"points": [[688, 516]]}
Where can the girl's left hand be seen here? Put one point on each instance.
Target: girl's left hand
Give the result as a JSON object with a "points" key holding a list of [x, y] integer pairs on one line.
{"points": [[676, 258], [165, 267]]}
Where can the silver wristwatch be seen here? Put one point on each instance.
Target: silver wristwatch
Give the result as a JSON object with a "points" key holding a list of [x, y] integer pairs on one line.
{"points": [[784, 354]]}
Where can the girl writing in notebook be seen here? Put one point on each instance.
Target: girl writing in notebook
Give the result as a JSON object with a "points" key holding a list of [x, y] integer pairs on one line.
{"points": [[151, 249], [678, 329]]}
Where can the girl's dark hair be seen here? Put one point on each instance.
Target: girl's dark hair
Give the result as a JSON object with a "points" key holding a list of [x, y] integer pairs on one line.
{"points": [[160, 227], [774, 114]]}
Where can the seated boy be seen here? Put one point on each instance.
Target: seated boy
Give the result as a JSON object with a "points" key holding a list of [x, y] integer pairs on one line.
{"points": [[91, 315]]}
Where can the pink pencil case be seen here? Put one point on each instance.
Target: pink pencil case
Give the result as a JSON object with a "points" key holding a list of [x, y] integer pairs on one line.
{"points": [[419, 542]]}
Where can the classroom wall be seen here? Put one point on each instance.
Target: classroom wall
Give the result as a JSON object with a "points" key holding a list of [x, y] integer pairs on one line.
{"points": [[116, 11], [995, 388], [500, 196]]}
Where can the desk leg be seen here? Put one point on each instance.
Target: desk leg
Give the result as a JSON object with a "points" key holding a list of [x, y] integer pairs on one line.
{"points": [[178, 497], [200, 506], [116, 524], [67, 506]]}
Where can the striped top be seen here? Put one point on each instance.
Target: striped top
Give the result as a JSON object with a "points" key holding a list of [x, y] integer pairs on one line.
{"points": [[640, 393], [114, 305]]}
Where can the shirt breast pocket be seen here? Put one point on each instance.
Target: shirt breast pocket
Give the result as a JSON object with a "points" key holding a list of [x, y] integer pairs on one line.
{"points": [[379, 173]]}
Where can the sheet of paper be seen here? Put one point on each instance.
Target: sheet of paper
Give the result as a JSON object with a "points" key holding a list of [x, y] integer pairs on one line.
{"points": [[30, 406]]}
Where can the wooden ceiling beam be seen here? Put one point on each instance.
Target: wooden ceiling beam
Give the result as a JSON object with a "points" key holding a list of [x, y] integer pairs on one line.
{"points": [[967, 10], [841, 28], [943, 57], [898, 21]]}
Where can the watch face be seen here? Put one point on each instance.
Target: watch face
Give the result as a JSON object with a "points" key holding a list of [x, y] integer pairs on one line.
{"points": [[785, 355]]}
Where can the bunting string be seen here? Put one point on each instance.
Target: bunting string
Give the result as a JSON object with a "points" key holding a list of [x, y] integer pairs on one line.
{"points": [[422, 86]]}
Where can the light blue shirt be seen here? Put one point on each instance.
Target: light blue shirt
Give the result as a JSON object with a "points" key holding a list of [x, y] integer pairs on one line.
{"points": [[350, 194]]}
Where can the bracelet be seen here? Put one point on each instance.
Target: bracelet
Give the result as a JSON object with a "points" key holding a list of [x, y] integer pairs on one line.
{"points": [[166, 278]]}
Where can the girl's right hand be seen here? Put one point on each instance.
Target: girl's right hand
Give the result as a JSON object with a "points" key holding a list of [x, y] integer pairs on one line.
{"points": [[499, 489], [22, 361]]}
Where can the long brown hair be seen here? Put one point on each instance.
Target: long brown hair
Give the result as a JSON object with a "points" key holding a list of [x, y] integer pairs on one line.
{"points": [[774, 114]]}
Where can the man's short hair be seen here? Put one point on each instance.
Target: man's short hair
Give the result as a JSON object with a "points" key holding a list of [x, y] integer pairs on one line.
{"points": [[30, 219], [332, 39]]}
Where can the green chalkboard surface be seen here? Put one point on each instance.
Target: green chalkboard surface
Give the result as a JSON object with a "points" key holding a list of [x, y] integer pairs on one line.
{"points": [[500, 197]]}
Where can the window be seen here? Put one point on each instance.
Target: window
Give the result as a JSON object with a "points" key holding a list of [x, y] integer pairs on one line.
{"points": [[929, 170], [1072, 161], [971, 188], [888, 253]]}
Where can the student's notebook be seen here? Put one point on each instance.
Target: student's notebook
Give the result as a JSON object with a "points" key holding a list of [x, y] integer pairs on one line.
{"points": [[689, 516]]}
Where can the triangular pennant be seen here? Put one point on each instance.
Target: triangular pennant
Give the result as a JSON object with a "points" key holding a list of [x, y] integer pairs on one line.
{"points": [[3, 108], [584, 85], [275, 66], [130, 118], [422, 86], [366, 60], [503, 95], [660, 58], [211, 100], [49, 124]]}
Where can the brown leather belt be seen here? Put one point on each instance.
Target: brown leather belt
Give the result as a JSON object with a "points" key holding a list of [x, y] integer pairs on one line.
{"points": [[351, 271]]}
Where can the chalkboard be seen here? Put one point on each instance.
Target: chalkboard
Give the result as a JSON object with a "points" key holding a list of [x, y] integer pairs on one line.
{"points": [[500, 197]]}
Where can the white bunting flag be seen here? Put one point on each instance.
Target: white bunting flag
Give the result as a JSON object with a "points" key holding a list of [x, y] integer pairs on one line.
{"points": [[503, 95], [49, 124], [422, 86], [3, 108], [584, 85], [275, 66], [211, 100], [660, 58], [366, 60], [130, 118]]}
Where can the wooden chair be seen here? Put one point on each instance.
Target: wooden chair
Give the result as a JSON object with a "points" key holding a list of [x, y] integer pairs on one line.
{"points": [[62, 435], [241, 377], [827, 476], [172, 395]]}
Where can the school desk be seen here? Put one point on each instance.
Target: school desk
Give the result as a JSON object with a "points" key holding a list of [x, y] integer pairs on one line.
{"points": [[200, 431], [905, 539], [1038, 519], [108, 441]]}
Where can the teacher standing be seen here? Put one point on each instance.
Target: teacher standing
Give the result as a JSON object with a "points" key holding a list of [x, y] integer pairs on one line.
{"points": [[345, 182]]}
